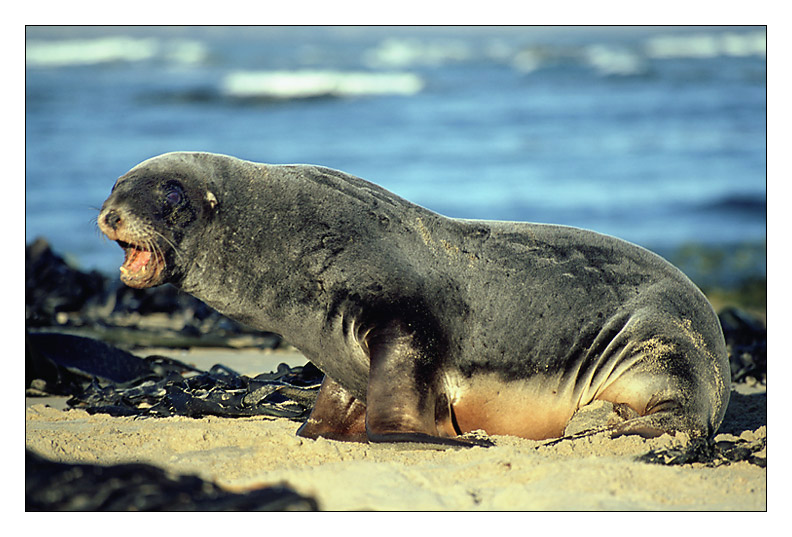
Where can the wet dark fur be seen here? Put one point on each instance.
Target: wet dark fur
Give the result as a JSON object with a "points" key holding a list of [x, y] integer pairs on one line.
{"points": [[347, 271]]}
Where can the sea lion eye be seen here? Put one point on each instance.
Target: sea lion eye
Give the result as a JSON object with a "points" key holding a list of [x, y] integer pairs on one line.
{"points": [[174, 195]]}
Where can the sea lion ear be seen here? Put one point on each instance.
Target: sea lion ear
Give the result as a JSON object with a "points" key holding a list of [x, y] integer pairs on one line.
{"points": [[211, 200]]}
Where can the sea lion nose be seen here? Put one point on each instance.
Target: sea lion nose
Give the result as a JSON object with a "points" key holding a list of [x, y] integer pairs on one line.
{"points": [[112, 219]]}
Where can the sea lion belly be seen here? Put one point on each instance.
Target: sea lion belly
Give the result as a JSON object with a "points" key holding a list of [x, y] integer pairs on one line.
{"points": [[529, 408]]}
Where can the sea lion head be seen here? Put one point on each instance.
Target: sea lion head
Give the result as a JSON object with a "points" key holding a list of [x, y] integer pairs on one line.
{"points": [[150, 212]]}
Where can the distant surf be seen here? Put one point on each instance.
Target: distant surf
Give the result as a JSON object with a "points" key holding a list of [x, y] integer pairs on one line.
{"points": [[303, 84], [76, 52]]}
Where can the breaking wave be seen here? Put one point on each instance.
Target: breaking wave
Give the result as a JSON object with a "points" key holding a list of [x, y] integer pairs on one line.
{"points": [[403, 52], [707, 45], [311, 84], [634, 59], [395, 54], [75, 52]]}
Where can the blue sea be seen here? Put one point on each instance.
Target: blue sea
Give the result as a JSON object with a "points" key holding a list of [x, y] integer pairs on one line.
{"points": [[654, 135]]}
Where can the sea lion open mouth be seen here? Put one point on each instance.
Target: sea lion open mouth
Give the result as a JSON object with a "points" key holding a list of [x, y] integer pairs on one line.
{"points": [[142, 266]]}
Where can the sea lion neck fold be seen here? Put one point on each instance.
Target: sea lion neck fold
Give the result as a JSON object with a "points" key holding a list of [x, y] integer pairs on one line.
{"points": [[426, 327]]}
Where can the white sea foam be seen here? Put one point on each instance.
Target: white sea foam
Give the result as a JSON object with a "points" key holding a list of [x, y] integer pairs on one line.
{"points": [[527, 60], [184, 51], [39, 53], [607, 60], [614, 61], [396, 53], [307, 83], [707, 45]]}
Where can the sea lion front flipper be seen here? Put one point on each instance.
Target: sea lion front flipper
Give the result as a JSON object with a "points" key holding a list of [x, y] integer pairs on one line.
{"points": [[337, 415], [401, 400]]}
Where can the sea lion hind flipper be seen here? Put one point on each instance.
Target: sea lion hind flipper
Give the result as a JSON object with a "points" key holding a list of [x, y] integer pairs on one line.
{"points": [[663, 415], [671, 419], [336, 415]]}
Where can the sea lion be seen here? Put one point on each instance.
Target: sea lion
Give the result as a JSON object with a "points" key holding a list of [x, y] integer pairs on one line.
{"points": [[426, 327]]}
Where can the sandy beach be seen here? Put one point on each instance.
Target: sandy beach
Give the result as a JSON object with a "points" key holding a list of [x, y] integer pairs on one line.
{"points": [[592, 473], [656, 135]]}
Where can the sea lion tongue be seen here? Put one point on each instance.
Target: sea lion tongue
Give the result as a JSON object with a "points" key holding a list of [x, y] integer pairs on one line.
{"points": [[136, 260]]}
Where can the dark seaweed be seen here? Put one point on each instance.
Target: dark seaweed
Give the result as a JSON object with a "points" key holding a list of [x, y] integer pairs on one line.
{"points": [[746, 343], [709, 453], [103, 379], [285, 393]]}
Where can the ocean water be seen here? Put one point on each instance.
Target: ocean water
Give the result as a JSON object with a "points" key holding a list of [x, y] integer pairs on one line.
{"points": [[654, 135]]}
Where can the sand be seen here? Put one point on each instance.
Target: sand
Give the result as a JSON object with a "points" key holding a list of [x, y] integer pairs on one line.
{"points": [[593, 473]]}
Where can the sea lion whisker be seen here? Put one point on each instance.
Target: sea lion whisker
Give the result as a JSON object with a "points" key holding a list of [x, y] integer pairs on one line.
{"points": [[152, 246], [95, 224], [170, 243], [160, 253]]}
